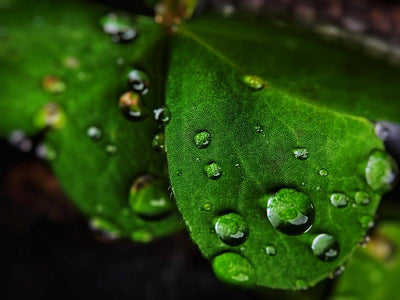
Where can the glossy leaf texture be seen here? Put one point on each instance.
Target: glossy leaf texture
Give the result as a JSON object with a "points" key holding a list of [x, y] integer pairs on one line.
{"points": [[57, 61], [373, 272], [268, 171]]}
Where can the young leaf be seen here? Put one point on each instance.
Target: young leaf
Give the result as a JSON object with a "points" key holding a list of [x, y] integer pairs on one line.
{"points": [[60, 71], [271, 181]]}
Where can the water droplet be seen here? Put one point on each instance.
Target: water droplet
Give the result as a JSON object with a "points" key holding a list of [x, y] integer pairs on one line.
{"points": [[213, 170], [206, 207], [301, 284], [111, 149], [138, 81], [234, 269], [53, 84], [46, 151], [25, 145], [231, 229], [270, 250], [149, 198], [339, 200], [202, 139], [367, 222], [237, 165], [259, 128], [16, 137], [254, 82], [362, 198], [301, 153], [318, 188], [51, 115], [382, 131], [95, 133], [71, 62], [162, 115], [179, 173], [323, 172], [381, 171], [132, 107], [325, 247], [158, 142], [120, 61], [105, 227], [337, 272], [141, 236], [290, 211], [119, 26], [198, 159]]}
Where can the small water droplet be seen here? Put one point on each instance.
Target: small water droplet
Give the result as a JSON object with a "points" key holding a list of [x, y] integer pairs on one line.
{"points": [[237, 165], [323, 172], [270, 250], [232, 268], [381, 171], [105, 227], [289, 211], [158, 142], [51, 115], [339, 271], [382, 131], [111, 149], [132, 107], [53, 84], [16, 137], [318, 188], [119, 26], [231, 228], [162, 115], [301, 153], [213, 170], [46, 151], [254, 82], [202, 139], [71, 62], [139, 81], [198, 159], [339, 200], [206, 207], [179, 173], [120, 61], [95, 133], [141, 236], [259, 128], [325, 247], [26, 145], [148, 197], [367, 222], [362, 198]]}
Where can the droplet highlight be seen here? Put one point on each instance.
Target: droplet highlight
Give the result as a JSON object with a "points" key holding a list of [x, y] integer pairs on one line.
{"points": [[111, 149], [51, 115], [162, 115], [46, 151], [158, 142], [231, 228]]}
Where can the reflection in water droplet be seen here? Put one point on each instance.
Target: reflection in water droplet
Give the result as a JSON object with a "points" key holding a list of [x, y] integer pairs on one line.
{"points": [[202, 139], [53, 84], [290, 211], [231, 229], [367, 222], [301, 153], [339, 200], [111, 149], [141, 236], [95, 133], [323, 173], [51, 115], [254, 82], [149, 198], [234, 269], [139, 81], [119, 26], [381, 171], [46, 151], [382, 131], [270, 250], [213, 171], [158, 142], [162, 115], [105, 227], [325, 247], [362, 198], [132, 107]]}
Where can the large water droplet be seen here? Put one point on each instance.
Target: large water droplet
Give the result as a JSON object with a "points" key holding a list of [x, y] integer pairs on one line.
{"points": [[141, 236], [95, 133], [301, 153], [270, 250], [51, 115], [234, 269], [46, 151], [290, 211], [53, 84], [149, 198], [139, 81], [213, 170], [339, 200], [162, 115], [381, 171], [231, 229], [254, 82], [119, 26], [325, 247], [105, 227], [362, 198], [202, 139], [158, 142], [132, 106]]}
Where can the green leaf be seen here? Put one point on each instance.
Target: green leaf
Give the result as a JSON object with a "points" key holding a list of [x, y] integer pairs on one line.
{"points": [[89, 74], [247, 139], [373, 272]]}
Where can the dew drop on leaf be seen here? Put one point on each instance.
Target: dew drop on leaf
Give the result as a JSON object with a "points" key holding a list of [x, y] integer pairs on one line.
{"points": [[234, 269], [53, 84], [289, 211], [71, 62], [132, 107], [46, 151], [381, 171], [105, 227], [162, 115], [141, 236], [362, 198], [254, 82], [138, 81], [94, 132], [202, 139], [213, 170], [231, 228], [259, 128], [325, 247], [323, 172], [111, 149], [158, 142], [301, 153], [270, 250], [51, 115], [339, 200], [367, 221], [119, 26]]}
